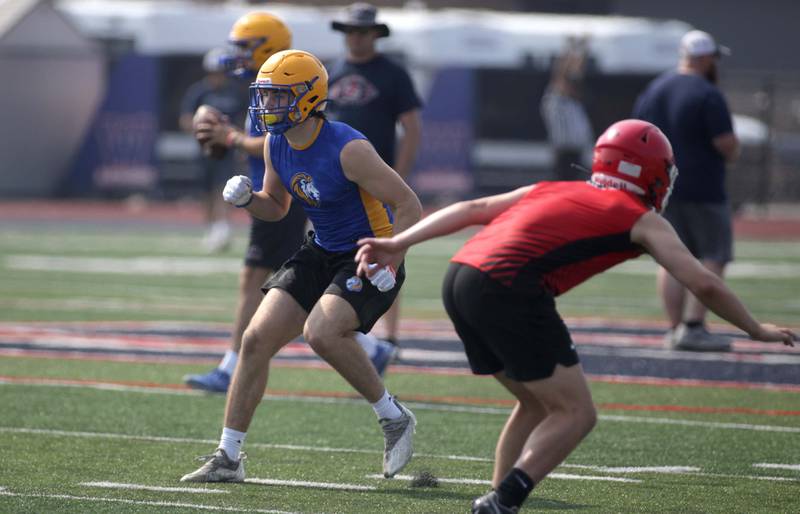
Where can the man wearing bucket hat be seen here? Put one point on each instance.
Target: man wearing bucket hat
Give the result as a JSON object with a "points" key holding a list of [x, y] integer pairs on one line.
{"points": [[689, 108], [373, 94]]}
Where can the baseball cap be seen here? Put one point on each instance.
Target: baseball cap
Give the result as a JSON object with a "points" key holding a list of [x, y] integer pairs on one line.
{"points": [[696, 43]]}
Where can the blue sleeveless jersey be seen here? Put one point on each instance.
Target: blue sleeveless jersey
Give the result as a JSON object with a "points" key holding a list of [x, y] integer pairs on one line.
{"points": [[342, 212]]}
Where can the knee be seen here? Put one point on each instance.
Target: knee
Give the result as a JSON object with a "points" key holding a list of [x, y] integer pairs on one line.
{"points": [[319, 341], [250, 343]]}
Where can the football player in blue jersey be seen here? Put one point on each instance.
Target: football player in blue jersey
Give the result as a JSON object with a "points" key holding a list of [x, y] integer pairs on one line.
{"points": [[348, 192], [253, 39]]}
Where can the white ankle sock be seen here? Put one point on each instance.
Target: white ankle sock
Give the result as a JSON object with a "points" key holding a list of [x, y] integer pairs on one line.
{"points": [[228, 363], [386, 408], [232, 441]]}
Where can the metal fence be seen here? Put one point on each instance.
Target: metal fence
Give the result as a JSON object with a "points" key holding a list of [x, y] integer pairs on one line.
{"points": [[769, 168]]}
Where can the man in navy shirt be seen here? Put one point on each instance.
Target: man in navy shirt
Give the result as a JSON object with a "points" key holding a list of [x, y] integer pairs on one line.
{"points": [[691, 111], [372, 94]]}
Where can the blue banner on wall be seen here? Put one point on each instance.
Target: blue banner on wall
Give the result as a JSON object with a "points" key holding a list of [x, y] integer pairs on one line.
{"points": [[443, 164], [118, 154]]}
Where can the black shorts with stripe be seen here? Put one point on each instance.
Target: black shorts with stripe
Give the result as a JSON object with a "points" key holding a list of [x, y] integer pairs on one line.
{"points": [[313, 271], [520, 334]]}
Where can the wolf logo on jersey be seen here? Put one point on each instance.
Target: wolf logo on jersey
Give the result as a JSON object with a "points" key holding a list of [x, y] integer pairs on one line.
{"points": [[303, 188]]}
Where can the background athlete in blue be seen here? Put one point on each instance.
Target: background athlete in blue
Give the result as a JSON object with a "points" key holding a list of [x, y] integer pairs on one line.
{"points": [[349, 192]]}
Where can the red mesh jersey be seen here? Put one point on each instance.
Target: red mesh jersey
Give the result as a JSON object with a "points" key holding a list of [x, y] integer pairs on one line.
{"points": [[556, 236]]}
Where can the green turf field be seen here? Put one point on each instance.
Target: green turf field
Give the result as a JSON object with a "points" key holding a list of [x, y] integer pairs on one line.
{"points": [[102, 436], [103, 273], [56, 440]]}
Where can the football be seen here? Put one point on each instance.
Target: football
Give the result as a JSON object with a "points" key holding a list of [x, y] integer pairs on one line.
{"points": [[204, 116]]}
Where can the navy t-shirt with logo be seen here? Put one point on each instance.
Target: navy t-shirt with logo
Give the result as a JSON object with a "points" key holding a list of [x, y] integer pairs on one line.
{"points": [[691, 112], [370, 97]]}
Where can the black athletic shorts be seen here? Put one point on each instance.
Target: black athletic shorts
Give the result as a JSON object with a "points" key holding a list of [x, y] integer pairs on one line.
{"points": [[314, 271], [521, 334], [273, 242]]}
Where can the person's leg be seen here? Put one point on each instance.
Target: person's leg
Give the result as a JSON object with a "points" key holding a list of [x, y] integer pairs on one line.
{"points": [[278, 320], [571, 415], [329, 330], [251, 278], [673, 297], [526, 416]]}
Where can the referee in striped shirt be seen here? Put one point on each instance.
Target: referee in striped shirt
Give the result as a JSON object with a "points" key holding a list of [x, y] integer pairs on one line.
{"points": [[568, 128]]}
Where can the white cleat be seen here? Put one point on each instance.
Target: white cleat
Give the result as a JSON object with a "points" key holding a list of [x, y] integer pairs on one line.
{"points": [[398, 435], [218, 468]]}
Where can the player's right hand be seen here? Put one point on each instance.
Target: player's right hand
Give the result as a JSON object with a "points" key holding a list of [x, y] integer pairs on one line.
{"points": [[238, 191], [774, 334]]}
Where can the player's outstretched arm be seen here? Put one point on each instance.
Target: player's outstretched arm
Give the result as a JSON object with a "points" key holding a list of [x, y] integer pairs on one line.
{"points": [[658, 237], [442, 222]]}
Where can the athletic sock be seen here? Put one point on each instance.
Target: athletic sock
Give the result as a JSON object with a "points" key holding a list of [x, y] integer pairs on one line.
{"points": [[391, 340], [232, 441], [386, 407], [514, 488], [228, 363], [695, 323]]}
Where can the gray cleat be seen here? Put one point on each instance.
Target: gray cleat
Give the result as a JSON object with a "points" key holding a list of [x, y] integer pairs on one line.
{"points": [[699, 339], [398, 435], [218, 468]]}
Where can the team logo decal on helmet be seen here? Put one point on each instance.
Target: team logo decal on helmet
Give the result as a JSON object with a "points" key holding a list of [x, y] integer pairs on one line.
{"points": [[289, 87], [253, 39], [636, 156], [303, 188]]}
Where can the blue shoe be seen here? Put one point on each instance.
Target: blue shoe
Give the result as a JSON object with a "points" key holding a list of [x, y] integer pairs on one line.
{"points": [[384, 354], [215, 381]]}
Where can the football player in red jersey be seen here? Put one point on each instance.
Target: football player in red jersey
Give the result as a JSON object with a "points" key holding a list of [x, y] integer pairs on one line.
{"points": [[540, 241]]}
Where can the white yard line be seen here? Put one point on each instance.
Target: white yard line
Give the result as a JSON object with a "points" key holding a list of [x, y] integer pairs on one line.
{"points": [[214, 508], [559, 476], [313, 485], [635, 469], [142, 487], [684, 470], [791, 467]]}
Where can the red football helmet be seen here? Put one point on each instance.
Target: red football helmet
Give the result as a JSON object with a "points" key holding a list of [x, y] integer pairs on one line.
{"points": [[636, 156]]}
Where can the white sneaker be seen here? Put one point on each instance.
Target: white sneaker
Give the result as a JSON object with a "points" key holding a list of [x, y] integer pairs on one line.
{"points": [[398, 435], [218, 468]]}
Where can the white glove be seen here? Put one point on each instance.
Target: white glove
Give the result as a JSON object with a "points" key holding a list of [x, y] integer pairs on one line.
{"points": [[383, 279], [238, 191]]}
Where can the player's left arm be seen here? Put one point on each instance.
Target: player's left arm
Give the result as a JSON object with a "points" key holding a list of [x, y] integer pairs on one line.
{"points": [[362, 165], [408, 145], [658, 237]]}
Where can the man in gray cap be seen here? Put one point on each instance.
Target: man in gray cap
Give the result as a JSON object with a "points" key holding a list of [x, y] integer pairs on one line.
{"points": [[373, 94], [689, 108]]}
